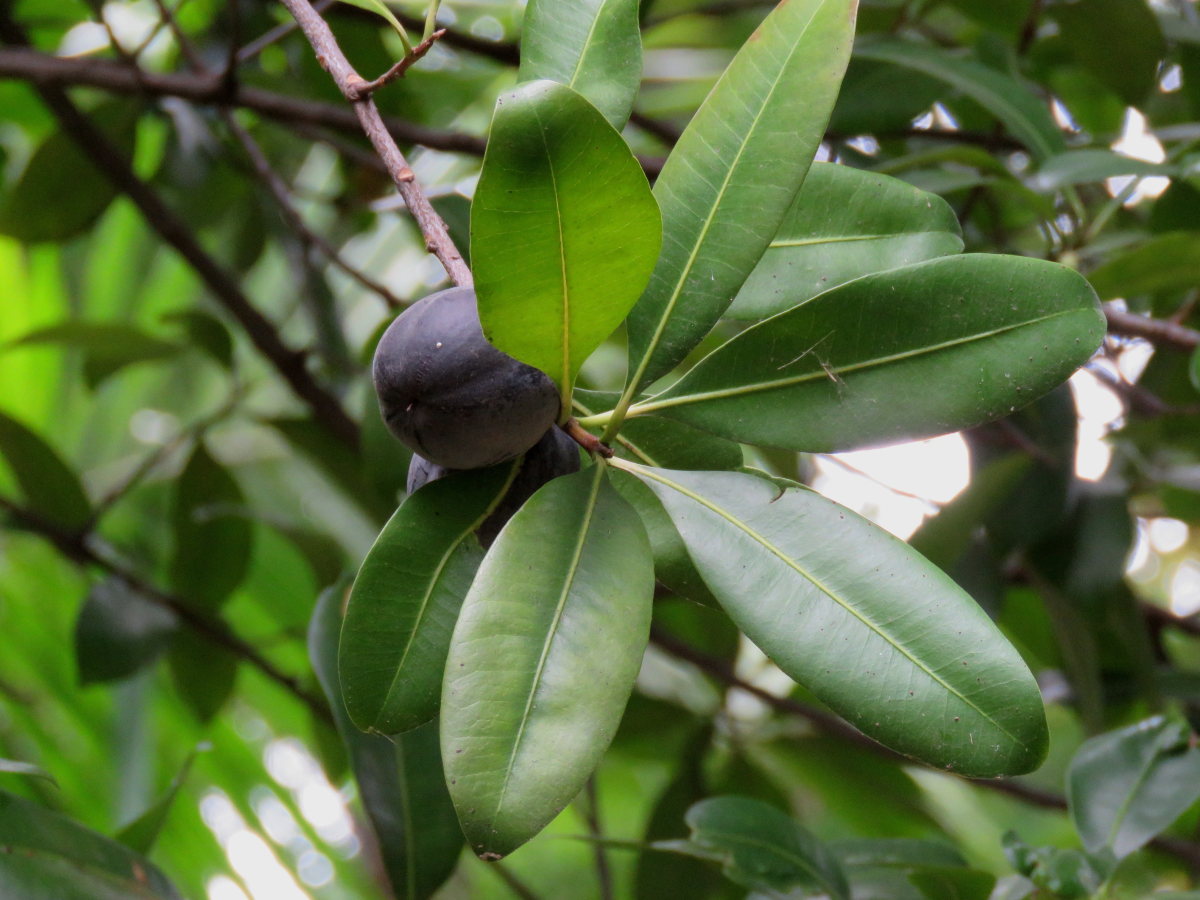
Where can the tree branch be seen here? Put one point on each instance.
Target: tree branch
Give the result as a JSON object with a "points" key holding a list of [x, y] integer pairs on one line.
{"points": [[290, 364], [81, 548], [43, 69], [331, 58], [1158, 331]]}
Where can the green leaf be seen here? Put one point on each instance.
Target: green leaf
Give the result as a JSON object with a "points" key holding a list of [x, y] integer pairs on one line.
{"points": [[547, 646], [407, 596], [118, 632], [379, 7], [401, 784], [51, 489], [673, 568], [663, 443], [142, 833], [61, 192], [939, 883], [904, 853], [213, 541], [879, 634], [1126, 786], [205, 332], [944, 538], [51, 857], [1119, 42], [592, 46], [347, 469], [1091, 165], [845, 223], [760, 848], [854, 367], [564, 230], [733, 174], [108, 347], [204, 674], [1169, 262], [1024, 115], [16, 767]]}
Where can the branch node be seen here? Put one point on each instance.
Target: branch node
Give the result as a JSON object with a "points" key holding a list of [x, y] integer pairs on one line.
{"points": [[586, 439]]}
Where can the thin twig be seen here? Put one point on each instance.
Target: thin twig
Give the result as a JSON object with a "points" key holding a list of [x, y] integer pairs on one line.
{"points": [[586, 439], [190, 53], [361, 89], [515, 884], [330, 56], [592, 814], [268, 176], [266, 39], [85, 549], [291, 364]]}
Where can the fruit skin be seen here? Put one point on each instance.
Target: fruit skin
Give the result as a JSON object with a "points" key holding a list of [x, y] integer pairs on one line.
{"points": [[452, 397], [554, 455]]}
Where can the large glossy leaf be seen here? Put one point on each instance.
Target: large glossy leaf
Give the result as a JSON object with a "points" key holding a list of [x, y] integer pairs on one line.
{"points": [[1170, 262], [1026, 117], [845, 223], [52, 490], [593, 46], [1126, 786], [760, 848], [50, 857], [401, 783], [1119, 42], [899, 355], [855, 615], [733, 174], [118, 632], [564, 230], [212, 540], [108, 347], [406, 599], [547, 646]]}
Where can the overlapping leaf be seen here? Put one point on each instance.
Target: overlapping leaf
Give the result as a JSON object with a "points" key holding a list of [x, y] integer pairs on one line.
{"points": [[406, 599], [895, 646], [733, 174], [401, 784], [593, 46], [564, 230], [899, 355], [845, 223], [547, 646]]}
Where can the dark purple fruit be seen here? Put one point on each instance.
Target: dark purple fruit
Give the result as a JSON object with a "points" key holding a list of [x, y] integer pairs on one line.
{"points": [[452, 397], [554, 455]]}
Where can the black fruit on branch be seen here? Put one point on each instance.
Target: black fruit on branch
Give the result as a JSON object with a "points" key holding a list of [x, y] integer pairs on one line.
{"points": [[452, 397], [554, 455]]}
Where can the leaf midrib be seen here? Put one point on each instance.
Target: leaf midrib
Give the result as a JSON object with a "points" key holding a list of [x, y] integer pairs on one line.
{"points": [[853, 238], [552, 632], [712, 212], [685, 399], [738, 523], [587, 44]]}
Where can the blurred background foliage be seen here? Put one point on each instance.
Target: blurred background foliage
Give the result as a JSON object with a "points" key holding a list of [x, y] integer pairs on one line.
{"points": [[173, 508]]}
